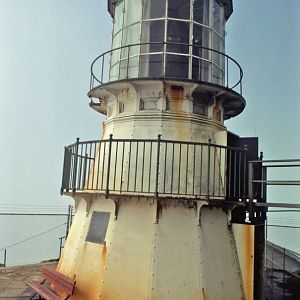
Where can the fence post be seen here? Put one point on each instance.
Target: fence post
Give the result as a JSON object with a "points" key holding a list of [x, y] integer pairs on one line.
{"points": [[157, 166], [4, 261], [283, 286], [75, 166], [60, 247], [68, 221], [208, 168], [108, 165]]}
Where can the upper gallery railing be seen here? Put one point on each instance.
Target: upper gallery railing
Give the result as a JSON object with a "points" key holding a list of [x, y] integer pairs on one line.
{"points": [[155, 167], [160, 59]]}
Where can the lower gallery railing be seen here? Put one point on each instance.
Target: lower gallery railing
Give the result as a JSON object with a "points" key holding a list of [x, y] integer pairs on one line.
{"points": [[155, 167]]}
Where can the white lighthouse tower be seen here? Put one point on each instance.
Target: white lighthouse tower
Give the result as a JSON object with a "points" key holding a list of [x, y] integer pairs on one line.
{"points": [[159, 195]]}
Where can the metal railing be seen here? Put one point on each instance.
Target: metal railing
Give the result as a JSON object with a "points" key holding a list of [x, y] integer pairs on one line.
{"points": [[258, 181], [128, 60], [155, 167]]}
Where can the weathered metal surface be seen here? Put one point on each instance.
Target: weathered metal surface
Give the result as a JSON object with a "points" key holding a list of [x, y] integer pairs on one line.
{"points": [[244, 237], [177, 258]]}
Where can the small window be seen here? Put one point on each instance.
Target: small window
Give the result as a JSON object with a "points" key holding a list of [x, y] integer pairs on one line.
{"points": [[218, 114], [98, 227], [148, 104], [126, 106], [200, 109]]}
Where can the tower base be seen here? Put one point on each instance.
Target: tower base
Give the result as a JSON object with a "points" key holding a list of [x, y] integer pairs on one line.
{"points": [[142, 248]]}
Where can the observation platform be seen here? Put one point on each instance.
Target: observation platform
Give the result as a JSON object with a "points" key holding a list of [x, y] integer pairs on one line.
{"points": [[156, 168], [204, 70]]}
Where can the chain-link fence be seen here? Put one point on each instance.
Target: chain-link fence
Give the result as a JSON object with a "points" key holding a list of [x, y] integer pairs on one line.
{"points": [[33, 235]]}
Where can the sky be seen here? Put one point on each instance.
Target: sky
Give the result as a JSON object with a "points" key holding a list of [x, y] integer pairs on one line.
{"points": [[46, 48]]}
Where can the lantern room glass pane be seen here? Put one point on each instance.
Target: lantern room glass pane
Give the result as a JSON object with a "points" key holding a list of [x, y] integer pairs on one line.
{"points": [[178, 32], [131, 36], [118, 17], [179, 9], [133, 12], [218, 17], [218, 45], [151, 65], [114, 72], [201, 39], [154, 9], [153, 32], [201, 11], [217, 75], [201, 70], [129, 68], [177, 66]]}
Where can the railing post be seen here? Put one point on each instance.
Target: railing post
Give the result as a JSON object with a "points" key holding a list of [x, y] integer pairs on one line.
{"points": [[241, 87], [250, 190], [244, 196], [84, 171], [157, 166], [128, 56], [227, 72], [63, 181], [102, 71], [208, 168], [108, 165], [75, 166]]}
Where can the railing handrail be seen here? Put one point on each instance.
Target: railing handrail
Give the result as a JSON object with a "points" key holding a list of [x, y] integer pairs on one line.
{"points": [[100, 81], [154, 141]]}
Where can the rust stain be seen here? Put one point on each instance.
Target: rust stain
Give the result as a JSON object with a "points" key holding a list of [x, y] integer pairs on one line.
{"points": [[177, 98], [216, 108], [248, 245], [103, 131], [104, 251], [90, 272]]}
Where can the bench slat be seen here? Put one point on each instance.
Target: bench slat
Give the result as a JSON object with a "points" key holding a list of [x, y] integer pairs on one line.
{"points": [[43, 291], [61, 281], [57, 274], [62, 286]]}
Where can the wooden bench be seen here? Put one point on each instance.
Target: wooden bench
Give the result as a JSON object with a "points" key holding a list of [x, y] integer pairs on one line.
{"points": [[60, 281]]}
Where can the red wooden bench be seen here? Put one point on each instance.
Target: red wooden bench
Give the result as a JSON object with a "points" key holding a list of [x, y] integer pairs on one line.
{"points": [[63, 283]]}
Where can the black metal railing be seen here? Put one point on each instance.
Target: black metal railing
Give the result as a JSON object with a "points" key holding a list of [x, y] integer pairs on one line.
{"points": [[155, 167], [131, 61]]}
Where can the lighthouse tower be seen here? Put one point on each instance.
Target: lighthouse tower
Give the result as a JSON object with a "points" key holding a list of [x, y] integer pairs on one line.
{"points": [[160, 198]]}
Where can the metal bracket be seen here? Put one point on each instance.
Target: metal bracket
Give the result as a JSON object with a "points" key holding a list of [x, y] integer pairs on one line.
{"points": [[117, 205], [158, 211]]}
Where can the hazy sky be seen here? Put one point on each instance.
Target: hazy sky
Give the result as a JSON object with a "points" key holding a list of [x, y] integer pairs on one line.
{"points": [[46, 50]]}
